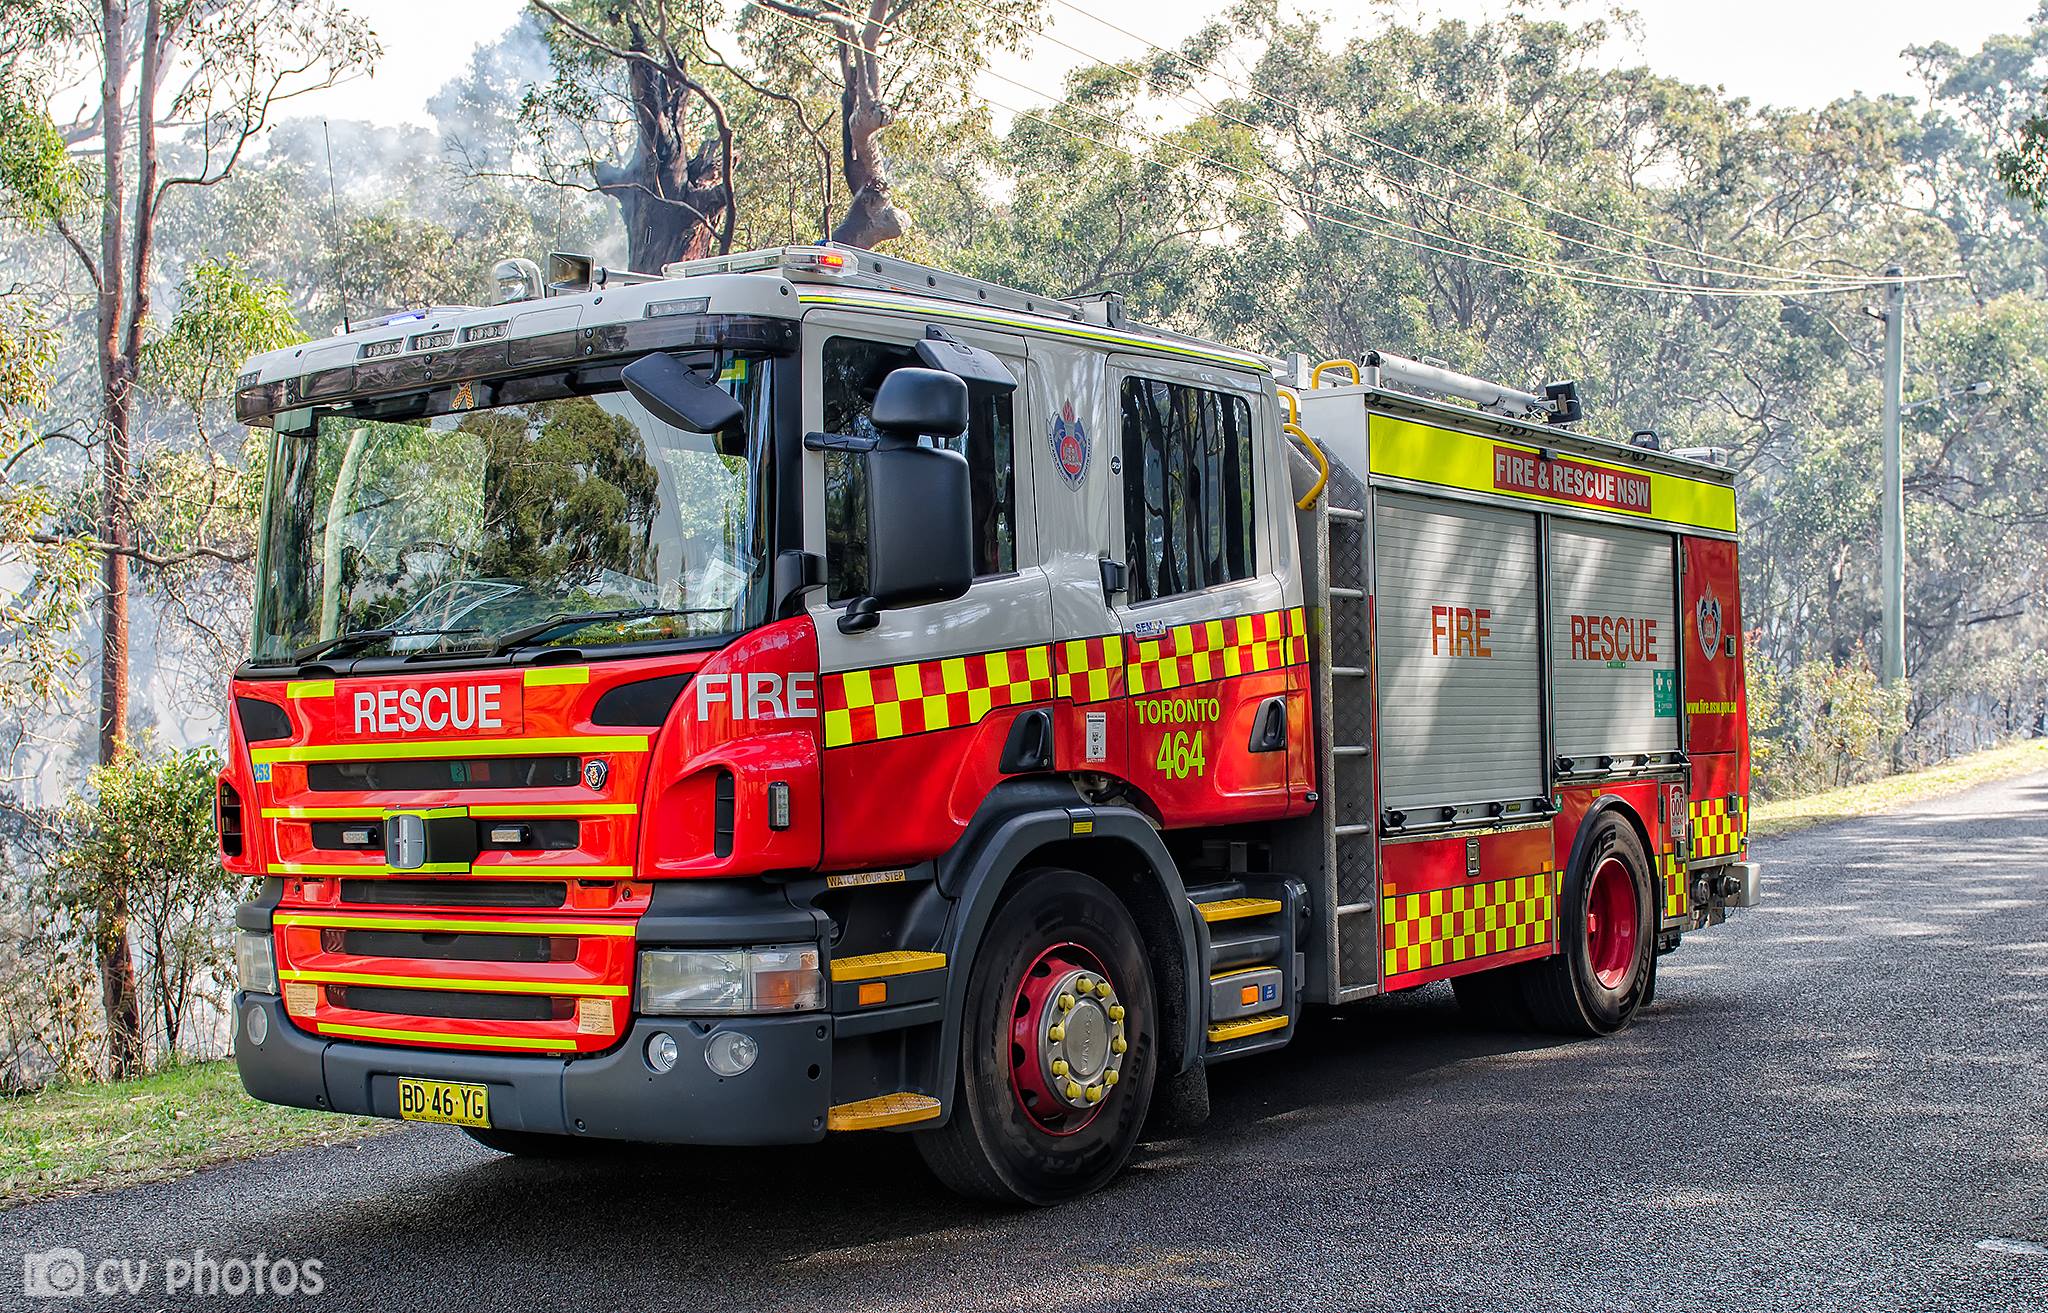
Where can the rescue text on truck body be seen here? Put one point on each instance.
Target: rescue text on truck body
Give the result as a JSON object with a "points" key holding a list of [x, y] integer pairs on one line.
{"points": [[1244, 695]]}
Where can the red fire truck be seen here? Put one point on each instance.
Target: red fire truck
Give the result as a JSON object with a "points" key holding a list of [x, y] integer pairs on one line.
{"points": [[809, 692]]}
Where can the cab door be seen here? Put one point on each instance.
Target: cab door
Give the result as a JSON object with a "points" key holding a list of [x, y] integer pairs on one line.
{"points": [[917, 709], [1213, 636]]}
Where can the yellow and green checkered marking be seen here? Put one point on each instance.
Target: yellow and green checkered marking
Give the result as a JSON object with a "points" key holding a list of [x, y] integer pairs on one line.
{"points": [[868, 706], [1217, 649], [1720, 826], [890, 702], [1446, 926], [1677, 895]]}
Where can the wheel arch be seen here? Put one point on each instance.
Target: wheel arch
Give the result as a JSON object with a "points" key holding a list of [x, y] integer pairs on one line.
{"points": [[1602, 807], [1048, 824]]}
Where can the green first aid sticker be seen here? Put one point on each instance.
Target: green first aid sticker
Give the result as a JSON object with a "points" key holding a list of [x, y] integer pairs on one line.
{"points": [[1665, 691]]}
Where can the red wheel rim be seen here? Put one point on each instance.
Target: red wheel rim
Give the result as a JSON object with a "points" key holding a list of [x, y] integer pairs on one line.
{"points": [[1611, 916], [1067, 1038]]}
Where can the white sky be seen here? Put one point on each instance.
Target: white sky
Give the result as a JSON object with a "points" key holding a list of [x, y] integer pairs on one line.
{"points": [[1784, 52]]}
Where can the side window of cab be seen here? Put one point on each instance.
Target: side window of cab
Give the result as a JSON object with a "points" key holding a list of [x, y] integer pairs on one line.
{"points": [[853, 370]]}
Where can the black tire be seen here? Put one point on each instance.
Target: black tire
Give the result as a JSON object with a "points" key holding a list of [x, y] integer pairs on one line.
{"points": [[540, 1144], [991, 1148], [1494, 998], [1566, 993]]}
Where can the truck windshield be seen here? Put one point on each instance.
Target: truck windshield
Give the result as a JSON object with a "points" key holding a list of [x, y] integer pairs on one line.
{"points": [[444, 535]]}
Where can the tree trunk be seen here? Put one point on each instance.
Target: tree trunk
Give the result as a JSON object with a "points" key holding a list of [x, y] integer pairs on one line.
{"points": [[676, 206], [121, 306], [870, 218], [119, 996], [658, 230]]}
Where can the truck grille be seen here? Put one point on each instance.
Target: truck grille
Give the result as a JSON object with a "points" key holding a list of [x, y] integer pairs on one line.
{"points": [[449, 1003], [544, 981], [534, 894], [443, 773]]}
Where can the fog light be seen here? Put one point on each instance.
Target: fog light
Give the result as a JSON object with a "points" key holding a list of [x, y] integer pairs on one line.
{"points": [[661, 1051], [256, 1025], [730, 1053]]}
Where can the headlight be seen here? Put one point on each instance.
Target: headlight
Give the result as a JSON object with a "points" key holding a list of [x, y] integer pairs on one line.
{"points": [[256, 961], [726, 981]]}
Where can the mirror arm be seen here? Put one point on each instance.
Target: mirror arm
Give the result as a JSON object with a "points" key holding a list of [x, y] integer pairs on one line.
{"points": [[862, 614]]}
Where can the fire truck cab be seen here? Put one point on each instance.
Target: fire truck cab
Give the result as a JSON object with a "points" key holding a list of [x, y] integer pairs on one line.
{"points": [[809, 692]]}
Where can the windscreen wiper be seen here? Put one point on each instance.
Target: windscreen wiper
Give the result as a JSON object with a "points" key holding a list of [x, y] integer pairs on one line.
{"points": [[581, 619], [348, 642]]}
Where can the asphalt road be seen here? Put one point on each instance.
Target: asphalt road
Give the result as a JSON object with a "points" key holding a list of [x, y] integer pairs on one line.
{"points": [[1839, 1100]]}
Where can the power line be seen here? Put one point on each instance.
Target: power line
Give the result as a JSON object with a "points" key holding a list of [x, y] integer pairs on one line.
{"points": [[1478, 253], [1774, 272]]}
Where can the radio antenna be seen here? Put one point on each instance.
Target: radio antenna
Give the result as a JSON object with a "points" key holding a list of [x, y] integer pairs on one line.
{"points": [[334, 226]]}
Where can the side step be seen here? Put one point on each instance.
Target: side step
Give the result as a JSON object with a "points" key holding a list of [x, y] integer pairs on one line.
{"points": [[882, 1110], [1249, 928]]}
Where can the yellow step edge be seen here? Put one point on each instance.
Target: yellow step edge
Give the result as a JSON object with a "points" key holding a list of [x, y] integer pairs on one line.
{"points": [[1236, 909], [1222, 1032], [882, 1110], [897, 962]]}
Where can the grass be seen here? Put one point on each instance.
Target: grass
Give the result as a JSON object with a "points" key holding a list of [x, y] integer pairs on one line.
{"points": [[1886, 795], [75, 1138]]}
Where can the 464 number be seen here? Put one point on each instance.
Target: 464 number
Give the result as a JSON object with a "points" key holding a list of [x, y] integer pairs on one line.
{"points": [[1180, 755]]}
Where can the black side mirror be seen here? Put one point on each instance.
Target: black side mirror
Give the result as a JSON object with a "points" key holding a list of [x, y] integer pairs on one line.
{"points": [[914, 403], [920, 502], [677, 395]]}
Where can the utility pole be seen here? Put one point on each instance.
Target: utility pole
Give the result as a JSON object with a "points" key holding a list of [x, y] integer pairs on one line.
{"points": [[1893, 498]]}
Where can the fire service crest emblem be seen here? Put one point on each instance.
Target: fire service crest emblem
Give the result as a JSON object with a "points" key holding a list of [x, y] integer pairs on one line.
{"points": [[1708, 615], [1070, 446]]}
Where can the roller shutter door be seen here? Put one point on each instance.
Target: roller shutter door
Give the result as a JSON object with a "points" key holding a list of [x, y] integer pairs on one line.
{"points": [[1613, 640], [1455, 601]]}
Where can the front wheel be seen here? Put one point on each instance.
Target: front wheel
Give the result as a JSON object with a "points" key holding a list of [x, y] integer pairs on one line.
{"points": [[1058, 1049], [1607, 932]]}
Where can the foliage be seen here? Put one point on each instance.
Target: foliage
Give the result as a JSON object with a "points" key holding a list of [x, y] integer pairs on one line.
{"points": [[140, 837], [37, 615], [1834, 725]]}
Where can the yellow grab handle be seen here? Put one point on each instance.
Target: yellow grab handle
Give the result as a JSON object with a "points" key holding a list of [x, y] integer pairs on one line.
{"points": [[1293, 404], [1315, 376], [1308, 498]]}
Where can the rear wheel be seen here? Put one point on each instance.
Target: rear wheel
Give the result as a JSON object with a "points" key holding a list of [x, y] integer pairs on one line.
{"points": [[1058, 1048], [1605, 967]]}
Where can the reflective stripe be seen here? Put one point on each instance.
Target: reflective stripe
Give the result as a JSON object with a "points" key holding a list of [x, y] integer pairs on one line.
{"points": [[942, 310], [497, 870], [365, 868], [548, 676], [564, 989], [516, 810], [309, 688], [1423, 453], [451, 748], [336, 921], [443, 1036]]}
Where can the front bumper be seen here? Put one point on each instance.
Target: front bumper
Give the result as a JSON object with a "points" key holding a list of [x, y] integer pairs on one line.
{"points": [[615, 1095]]}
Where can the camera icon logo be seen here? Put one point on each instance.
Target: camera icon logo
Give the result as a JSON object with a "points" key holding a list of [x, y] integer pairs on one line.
{"points": [[53, 1273]]}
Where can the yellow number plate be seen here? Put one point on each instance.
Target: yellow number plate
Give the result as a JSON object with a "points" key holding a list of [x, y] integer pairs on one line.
{"points": [[444, 1101]]}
